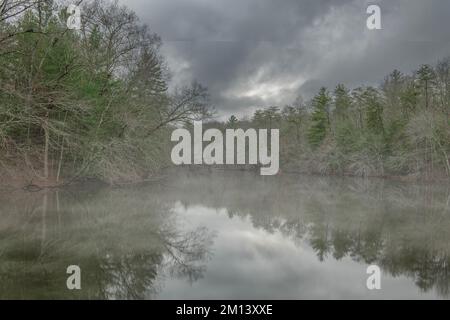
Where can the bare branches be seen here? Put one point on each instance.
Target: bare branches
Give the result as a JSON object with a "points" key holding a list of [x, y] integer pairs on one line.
{"points": [[13, 8], [116, 35], [189, 104], [11, 35], [87, 102]]}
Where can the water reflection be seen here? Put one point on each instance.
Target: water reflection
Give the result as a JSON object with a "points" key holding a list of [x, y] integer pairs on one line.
{"points": [[403, 228], [229, 235], [124, 241]]}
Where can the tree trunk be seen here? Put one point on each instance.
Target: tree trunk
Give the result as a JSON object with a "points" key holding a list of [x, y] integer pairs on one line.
{"points": [[46, 147]]}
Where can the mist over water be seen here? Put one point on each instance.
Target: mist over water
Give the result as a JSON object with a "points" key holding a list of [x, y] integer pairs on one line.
{"points": [[228, 235]]}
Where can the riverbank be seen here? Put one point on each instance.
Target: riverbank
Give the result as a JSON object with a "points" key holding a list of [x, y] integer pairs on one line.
{"points": [[22, 177]]}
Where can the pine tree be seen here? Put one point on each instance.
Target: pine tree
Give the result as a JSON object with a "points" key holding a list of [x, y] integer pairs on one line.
{"points": [[374, 110], [426, 75], [320, 119], [342, 101]]}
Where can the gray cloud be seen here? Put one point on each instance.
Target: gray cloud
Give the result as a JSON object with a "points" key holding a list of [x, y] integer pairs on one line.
{"points": [[254, 53]]}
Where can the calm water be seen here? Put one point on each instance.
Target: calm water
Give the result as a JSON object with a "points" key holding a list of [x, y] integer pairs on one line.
{"points": [[228, 235]]}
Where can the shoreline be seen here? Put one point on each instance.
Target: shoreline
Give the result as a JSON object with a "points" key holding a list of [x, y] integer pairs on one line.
{"points": [[27, 183]]}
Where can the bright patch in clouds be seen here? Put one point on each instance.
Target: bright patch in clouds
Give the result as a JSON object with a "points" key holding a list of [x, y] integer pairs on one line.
{"points": [[256, 53]]}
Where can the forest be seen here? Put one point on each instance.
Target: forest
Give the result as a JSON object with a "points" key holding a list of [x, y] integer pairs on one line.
{"points": [[85, 103], [400, 128], [95, 103]]}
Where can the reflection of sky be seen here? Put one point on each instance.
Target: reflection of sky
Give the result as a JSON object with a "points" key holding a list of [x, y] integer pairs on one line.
{"points": [[250, 263]]}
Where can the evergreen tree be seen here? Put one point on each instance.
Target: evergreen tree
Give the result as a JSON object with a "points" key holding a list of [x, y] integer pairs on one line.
{"points": [[320, 123], [374, 110], [342, 102], [426, 75]]}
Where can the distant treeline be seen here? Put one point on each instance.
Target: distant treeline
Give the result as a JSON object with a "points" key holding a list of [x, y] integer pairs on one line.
{"points": [[400, 128]]}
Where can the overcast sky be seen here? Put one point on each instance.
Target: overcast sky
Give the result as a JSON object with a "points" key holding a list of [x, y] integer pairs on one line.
{"points": [[254, 53]]}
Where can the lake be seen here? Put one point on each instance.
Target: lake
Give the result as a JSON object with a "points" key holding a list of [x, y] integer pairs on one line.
{"points": [[228, 235]]}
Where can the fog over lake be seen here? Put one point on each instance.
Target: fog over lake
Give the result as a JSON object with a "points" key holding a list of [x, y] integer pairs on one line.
{"points": [[228, 235]]}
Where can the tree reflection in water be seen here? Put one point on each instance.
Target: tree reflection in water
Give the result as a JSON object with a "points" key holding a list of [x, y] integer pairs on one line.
{"points": [[129, 241], [402, 227], [125, 243]]}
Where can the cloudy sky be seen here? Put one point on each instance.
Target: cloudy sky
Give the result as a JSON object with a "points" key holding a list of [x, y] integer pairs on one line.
{"points": [[253, 53]]}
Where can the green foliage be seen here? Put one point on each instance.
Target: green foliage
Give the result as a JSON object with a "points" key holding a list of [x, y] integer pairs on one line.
{"points": [[92, 102], [320, 121], [426, 76], [95, 102], [374, 111], [370, 131], [342, 102]]}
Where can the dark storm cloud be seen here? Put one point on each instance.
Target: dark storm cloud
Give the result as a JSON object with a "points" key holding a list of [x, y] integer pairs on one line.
{"points": [[265, 52]]}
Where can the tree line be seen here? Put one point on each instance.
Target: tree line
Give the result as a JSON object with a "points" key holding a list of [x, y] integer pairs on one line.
{"points": [[401, 127], [95, 103]]}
